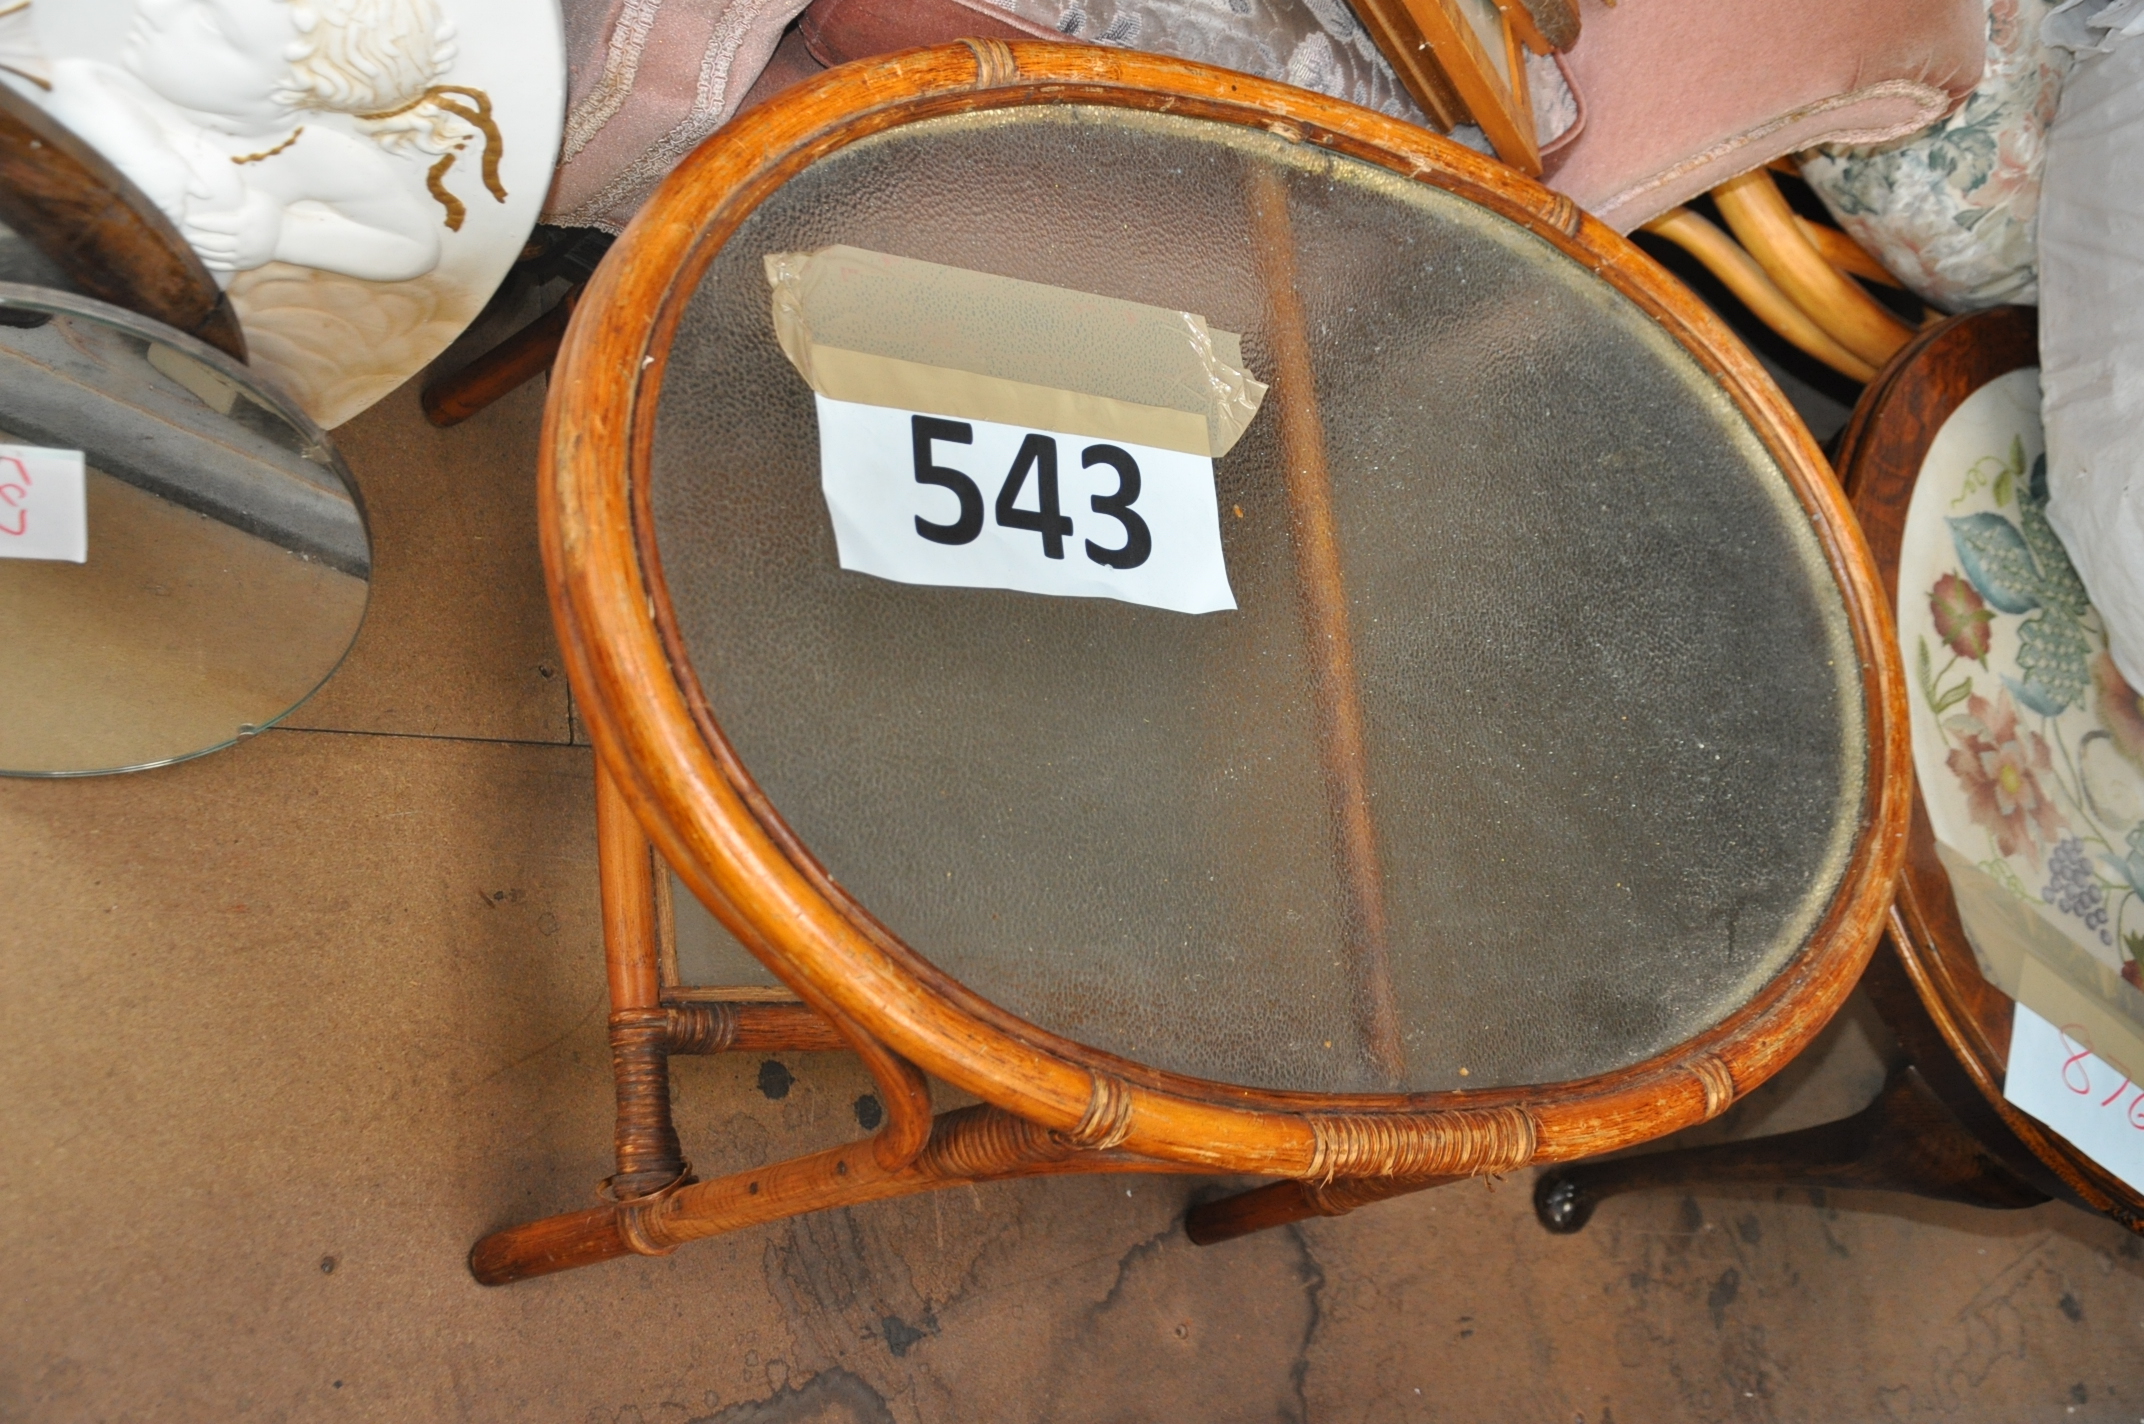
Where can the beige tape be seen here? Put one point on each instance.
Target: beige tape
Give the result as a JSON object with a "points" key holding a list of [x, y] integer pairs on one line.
{"points": [[2025, 957], [2113, 1035], [883, 330], [910, 385]]}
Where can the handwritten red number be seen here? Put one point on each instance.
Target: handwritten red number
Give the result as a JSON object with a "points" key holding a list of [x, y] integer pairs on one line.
{"points": [[12, 494], [2127, 1080], [2108, 1101], [2072, 1034]]}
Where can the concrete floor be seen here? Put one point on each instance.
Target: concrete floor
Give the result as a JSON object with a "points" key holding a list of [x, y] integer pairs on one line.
{"points": [[287, 1028]]}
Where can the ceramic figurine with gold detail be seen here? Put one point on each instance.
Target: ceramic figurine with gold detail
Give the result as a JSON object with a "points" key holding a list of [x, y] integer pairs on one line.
{"points": [[357, 173]]}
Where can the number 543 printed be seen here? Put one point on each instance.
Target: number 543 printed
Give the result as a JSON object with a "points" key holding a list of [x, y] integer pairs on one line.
{"points": [[927, 499]]}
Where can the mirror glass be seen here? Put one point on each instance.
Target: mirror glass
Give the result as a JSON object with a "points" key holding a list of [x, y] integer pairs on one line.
{"points": [[183, 555]]}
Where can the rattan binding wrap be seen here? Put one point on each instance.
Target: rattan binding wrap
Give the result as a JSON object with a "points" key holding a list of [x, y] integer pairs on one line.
{"points": [[1718, 1083], [648, 1153], [1108, 1119], [983, 1141], [994, 64], [702, 1028], [1565, 215], [1468, 1142]]}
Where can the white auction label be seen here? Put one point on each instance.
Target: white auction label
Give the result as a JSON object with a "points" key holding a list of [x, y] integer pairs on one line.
{"points": [[928, 499], [44, 507], [2056, 1074]]}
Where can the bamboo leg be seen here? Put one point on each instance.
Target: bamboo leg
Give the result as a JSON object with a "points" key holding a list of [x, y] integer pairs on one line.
{"points": [[975, 1144], [1846, 254], [644, 1032], [1321, 584], [653, 1202], [1905, 1141], [648, 1154]]}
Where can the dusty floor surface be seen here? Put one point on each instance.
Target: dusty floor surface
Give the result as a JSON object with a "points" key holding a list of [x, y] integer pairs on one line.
{"points": [[287, 1028]]}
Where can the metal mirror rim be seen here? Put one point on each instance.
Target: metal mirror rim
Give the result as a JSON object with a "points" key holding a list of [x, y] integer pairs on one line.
{"points": [[659, 743], [20, 297]]}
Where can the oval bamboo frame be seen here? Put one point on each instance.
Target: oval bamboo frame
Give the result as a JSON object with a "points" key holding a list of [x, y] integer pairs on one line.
{"points": [[658, 740]]}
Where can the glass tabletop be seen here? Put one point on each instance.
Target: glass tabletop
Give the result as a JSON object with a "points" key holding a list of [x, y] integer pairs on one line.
{"points": [[1611, 720]]}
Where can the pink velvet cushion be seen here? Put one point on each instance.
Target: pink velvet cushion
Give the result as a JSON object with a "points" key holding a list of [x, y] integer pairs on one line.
{"points": [[1681, 95]]}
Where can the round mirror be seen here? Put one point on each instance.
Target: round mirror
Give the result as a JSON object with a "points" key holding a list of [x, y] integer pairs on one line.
{"points": [[183, 555]]}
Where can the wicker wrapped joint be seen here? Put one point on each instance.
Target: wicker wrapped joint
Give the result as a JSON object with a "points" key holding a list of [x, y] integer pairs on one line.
{"points": [[1543, 791]]}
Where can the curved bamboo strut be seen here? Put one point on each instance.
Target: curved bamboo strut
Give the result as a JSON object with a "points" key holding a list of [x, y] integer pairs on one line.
{"points": [[1842, 252], [1321, 587], [1742, 276], [1763, 223]]}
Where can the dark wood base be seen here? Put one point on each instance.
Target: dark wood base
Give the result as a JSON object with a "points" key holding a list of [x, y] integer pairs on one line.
{"points": [[1281, 1203], [514, 362], [1905, 1141], [90, 221]]}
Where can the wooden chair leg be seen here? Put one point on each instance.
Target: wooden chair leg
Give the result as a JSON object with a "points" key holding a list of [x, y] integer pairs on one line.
{"points": [[520, 358], [1740, 274], [653, 1202], [648, 1155], [1846, 254], [1281, 1203], [1905, 1141]]}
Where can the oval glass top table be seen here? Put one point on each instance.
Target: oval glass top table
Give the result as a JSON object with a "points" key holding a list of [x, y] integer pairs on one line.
{"points": [[1542, 790]]}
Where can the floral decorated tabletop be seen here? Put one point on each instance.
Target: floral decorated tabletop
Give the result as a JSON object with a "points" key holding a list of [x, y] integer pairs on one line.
{"points": [[2027, 742]]}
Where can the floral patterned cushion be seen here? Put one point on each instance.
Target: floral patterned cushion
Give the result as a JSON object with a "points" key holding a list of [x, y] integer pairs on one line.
{"points": [[1953, 211]]}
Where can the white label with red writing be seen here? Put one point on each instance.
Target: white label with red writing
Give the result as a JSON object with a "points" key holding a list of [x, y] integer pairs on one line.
{"points": [[924, 499], [44, 511], [2057, 1077]]}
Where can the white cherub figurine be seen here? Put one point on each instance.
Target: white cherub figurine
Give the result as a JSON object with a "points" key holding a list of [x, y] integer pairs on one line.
{"points": [[215, 112]]}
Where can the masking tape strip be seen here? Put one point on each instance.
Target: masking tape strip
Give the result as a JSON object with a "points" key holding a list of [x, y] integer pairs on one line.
{"points": [[924, 336], [2036, 964], [2114, 1036], [910, 385]]}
